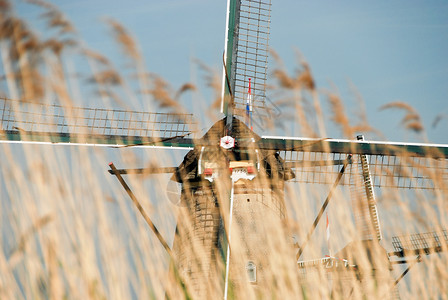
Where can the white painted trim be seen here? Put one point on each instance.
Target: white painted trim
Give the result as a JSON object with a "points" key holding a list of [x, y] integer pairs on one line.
{"points": [[225, 57], [116, 146], [226, 287]]}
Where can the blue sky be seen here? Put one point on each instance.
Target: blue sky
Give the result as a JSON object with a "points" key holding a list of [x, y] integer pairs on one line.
{"points": [[388, 50]]}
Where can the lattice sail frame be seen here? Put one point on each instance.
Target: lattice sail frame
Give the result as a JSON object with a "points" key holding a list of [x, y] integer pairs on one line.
{"points": [[363, 173], [420, 243], [252, 53], [247, 49], [21, 119], [387, 171]]}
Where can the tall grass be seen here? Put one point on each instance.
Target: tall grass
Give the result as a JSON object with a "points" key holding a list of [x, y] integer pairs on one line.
{"points": [[68, 229]]}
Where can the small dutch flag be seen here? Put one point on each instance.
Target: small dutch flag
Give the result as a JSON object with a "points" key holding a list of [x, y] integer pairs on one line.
{"points": [[249, 108]]}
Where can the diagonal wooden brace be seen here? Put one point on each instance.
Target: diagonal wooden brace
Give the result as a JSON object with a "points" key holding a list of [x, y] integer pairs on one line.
{"points": [[116, 172]]}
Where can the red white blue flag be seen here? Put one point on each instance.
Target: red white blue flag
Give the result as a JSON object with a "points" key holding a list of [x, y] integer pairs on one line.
{"points": [[249, 108]]}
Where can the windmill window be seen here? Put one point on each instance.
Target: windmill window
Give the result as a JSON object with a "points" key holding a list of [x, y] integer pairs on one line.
{"points": [[251, 269]]}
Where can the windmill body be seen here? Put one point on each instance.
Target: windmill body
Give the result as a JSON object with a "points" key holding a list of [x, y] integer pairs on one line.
{"points": [[250, 183]]}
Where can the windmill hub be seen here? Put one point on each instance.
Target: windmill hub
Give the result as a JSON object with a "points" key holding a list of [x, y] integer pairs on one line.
{"points": [[227, 142]]}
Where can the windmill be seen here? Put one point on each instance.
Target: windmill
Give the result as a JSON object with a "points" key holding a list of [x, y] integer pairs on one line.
{"points": [[233, 180]]}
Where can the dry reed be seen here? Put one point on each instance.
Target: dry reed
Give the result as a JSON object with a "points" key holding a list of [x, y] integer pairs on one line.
{"points": [[70, 231], [411, 120]]}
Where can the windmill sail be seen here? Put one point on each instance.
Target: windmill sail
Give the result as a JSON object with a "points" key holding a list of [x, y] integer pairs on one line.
{"points": [[22, 121], [247, 47], [420, 243], [391, 165]]}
